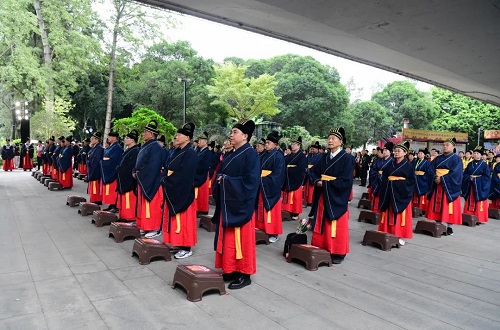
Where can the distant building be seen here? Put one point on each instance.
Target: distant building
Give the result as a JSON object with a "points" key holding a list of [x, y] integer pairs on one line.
{"points": [[262, 129]]}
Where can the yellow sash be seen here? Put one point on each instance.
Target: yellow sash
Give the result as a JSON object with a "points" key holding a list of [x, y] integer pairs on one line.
{"points": [[107, 189], [396, 178], [498, 174], [106, 158], [334, 229], [310, 165], [178, 223], [325, 177], [442, 171], [237, 243], [291, 166], [64, 176], [127, 200], [291, 198], [196, 193], [475, 176], [169, 173], [419, 172], [94, 188], [265, 173], [148, 214]]}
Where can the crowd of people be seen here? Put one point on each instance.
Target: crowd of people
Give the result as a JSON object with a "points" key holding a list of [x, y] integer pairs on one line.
{"points": [[163, 189]]}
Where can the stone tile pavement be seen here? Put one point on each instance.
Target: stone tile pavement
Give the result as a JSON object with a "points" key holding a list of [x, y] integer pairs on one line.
{"points": [[57, 271]]}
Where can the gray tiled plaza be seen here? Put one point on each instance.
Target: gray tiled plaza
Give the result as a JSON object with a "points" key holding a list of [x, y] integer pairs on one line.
{"points": [[58, 271]]}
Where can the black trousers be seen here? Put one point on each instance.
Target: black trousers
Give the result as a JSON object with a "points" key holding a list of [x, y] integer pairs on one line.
{"points": [[363, 174]]}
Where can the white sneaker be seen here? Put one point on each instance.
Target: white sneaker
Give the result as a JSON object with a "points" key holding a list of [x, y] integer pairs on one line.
{"points": [[153, 234], [183, 254], [402, 242], [273, 239]]}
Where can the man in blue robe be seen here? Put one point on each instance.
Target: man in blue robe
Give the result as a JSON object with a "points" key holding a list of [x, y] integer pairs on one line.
{"points": [[110, 161]]}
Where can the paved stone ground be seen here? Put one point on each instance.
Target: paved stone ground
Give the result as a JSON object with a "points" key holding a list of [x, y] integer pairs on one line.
{"points": [[57, 271]]}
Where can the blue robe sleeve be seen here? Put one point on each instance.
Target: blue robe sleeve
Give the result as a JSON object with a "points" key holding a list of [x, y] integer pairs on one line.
{"points": [[271, 184]]}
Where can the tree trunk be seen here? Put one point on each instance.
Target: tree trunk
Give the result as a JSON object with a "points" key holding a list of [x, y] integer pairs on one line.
{"points": [[47, 58]]}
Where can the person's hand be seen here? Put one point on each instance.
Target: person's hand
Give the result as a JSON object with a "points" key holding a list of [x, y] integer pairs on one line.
{"points": [[319, 184], [437, 180]]}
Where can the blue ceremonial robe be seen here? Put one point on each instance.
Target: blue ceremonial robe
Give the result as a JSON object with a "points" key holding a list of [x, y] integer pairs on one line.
{"points": [[376, 174], [65, 158], [55, 156], [111, 159], [203, 166], [270, 185], [8, 152], [335, 192], [423, 180], [312, 159], [495, 183], [178, 188], [94, 163], [126, 182], [148, 168], [481, 184], [296, 165], [236, 194], [397, 193], [451, 182]]}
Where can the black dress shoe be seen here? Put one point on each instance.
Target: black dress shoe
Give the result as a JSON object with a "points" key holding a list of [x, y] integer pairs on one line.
{"points": [[241, 282], [337, 258], [114, 210], [230, 276]]}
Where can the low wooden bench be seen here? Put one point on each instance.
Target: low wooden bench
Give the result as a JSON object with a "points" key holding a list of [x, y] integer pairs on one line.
{"points": [[369, 216], [198, 279], [312, 256], [384, 240], [148, 248], [120, 231], [436, 229]]}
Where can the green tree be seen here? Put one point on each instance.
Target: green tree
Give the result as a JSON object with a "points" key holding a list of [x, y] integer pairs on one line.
{"points": [[403, 100], [132, 24], [311, 94], [460, 113], [45, 46], [243, 97], [369, 118], [57, 122], [139, 119]]}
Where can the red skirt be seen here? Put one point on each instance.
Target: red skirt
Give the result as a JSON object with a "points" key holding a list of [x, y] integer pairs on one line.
{"points": [[335, 240], [270, 221], [308, 192], [66, 178], [127, 204], [82, 168], [351, 195], [149, 214], [375, 202], [8, 164], [419, 201], [109, 193], [54, 173], [402, 228], [495, 203], [27, 162], [235, 250], [94, 191], [291, 201], [439, 209], [45, 169], [201, 197], [183, 229], [477, 208]]}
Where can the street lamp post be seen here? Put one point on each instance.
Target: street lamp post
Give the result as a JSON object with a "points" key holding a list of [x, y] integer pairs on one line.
{"points": [[184, 81], [22, 115]]}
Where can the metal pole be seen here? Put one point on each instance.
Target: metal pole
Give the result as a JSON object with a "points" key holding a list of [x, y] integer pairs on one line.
{"points": [[478, 134], [13, 124], [184, 103]]}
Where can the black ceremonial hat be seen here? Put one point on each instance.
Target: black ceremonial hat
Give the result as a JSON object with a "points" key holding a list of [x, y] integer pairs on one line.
{"points": [[152, 127], [187, 130]]}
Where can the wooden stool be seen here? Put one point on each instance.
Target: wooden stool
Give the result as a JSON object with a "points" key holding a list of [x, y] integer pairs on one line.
{"points": [[49, 180], [311, 255], [365, 203], [416, 212], [365, 195], [75, 175], [211, 200], [54, 186], [494, 213], [73, 200], [286, 216], [103, 218], [88, 208], [198, 279], [82, 176], [41, 178], [469, 220], [122, 230], [261, 237], [149, 248], [206, 222], [44, 178], [369, 216], [384, 240], [436, 229]]}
